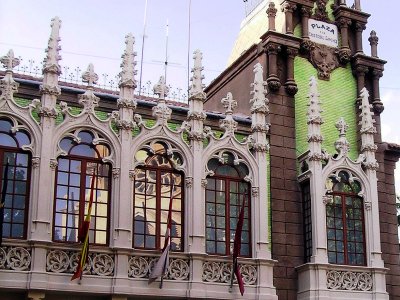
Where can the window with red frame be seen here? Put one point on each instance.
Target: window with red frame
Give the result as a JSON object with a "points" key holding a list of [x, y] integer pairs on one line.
{"points": [[225, 192], [18, 179], [157, 183], [345, 221], [72, 191]]}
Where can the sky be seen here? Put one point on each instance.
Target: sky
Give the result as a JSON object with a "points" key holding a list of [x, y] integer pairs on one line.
{"points": [[94, 32]]}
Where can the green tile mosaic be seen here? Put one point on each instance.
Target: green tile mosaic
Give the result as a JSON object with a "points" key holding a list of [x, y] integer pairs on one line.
{"points": [[338, 96]]}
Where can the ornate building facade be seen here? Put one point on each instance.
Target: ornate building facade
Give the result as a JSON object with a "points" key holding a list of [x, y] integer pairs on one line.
{"points": [[291, 129]]}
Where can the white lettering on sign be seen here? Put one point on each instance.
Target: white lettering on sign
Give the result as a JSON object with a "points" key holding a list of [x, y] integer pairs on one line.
{"points": [[323, 33]]}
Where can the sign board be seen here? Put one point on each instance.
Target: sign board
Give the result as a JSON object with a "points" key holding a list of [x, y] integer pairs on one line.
{"points": [[323, 33]]}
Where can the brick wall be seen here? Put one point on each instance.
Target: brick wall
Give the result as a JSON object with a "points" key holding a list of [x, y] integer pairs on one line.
{"points": [[388, 221], [287, 226]]}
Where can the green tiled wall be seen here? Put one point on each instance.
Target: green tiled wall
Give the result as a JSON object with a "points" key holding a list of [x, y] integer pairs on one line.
{"points": [[338, 96]]}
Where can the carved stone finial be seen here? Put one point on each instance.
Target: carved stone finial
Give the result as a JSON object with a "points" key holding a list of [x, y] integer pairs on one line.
{"points": [[161, 89], [128, 64], [229, 124], [9, 61], [259, 101], [271, 11], [161, 111], [196, 89], [342, 145], [373, 41], [8, 86], [229, 103], [50, 64], [367, 122], [89, 100], [90, 76]]}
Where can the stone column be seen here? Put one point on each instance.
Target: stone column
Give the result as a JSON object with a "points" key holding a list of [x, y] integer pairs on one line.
{"points": [[305, 16], [271, 12], [290, 84], [259, 111], [360, 72], [373, 41], [125, 123], [315, 158], [344, 24], [288, 9], [377, 103], [357, 4], [360, 27], [195, 185], [273, 80]]}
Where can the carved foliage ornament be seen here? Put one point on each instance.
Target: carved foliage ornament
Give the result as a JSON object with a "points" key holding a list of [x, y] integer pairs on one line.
{"points": [[15, 258], [141, 267], [100, 264], [350, 281], [221, 272]]}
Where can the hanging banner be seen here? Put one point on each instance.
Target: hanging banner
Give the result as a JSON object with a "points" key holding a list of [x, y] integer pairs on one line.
{"points": [[323, 33]]}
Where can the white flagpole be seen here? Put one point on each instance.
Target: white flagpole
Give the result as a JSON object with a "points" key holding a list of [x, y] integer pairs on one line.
{"points": [[143, 39]]}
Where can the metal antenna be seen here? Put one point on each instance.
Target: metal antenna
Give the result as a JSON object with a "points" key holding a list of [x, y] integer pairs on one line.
{"points": [[166, 52], [144, 36], [188, 54]]}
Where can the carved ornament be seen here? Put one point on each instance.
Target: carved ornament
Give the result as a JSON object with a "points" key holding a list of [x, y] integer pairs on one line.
{"points": [[320, 12]]}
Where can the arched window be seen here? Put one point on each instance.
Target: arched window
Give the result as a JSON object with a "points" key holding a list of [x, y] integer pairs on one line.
{"points": [[17, 179], [225, 192], [157, 182], [345, 220], [72, 190]]}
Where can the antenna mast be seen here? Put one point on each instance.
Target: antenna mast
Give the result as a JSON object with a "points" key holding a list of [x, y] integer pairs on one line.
{"points": [[166, 54], [141, 58]]}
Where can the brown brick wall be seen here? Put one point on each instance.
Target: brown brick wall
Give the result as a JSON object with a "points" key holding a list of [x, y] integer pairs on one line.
{"points": [[287, 225], [388, 222]]}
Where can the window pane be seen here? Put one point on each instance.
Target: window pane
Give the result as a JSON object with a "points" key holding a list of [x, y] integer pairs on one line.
{"points": [[22, 138], [6, 140]]}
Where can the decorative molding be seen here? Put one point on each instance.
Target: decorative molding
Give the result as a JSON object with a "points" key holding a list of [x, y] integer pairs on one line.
{"points": [[116, 172], [53, 164], [189, 182], [126, 103], [255, 191], [320, 12], [221, 272], [98, 264], [161, 111], [196, 115], [342, 146], [349, 280], [204, 183], [15, 258], [47, 112], [141, 267], [35, 162]]}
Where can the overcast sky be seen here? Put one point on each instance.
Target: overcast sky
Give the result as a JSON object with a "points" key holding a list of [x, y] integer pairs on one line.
{"points": [[94, 31]]}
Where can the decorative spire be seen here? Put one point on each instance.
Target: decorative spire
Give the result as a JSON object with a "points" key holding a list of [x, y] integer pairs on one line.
{"points": [[367, 122], [8, 86], [342, 145], [314, 122], [161, 89], [128, 64], [50, 64], [314, 110], [229, 124], [196, 89], [161, 111], [259, 101], [88, 99]]}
